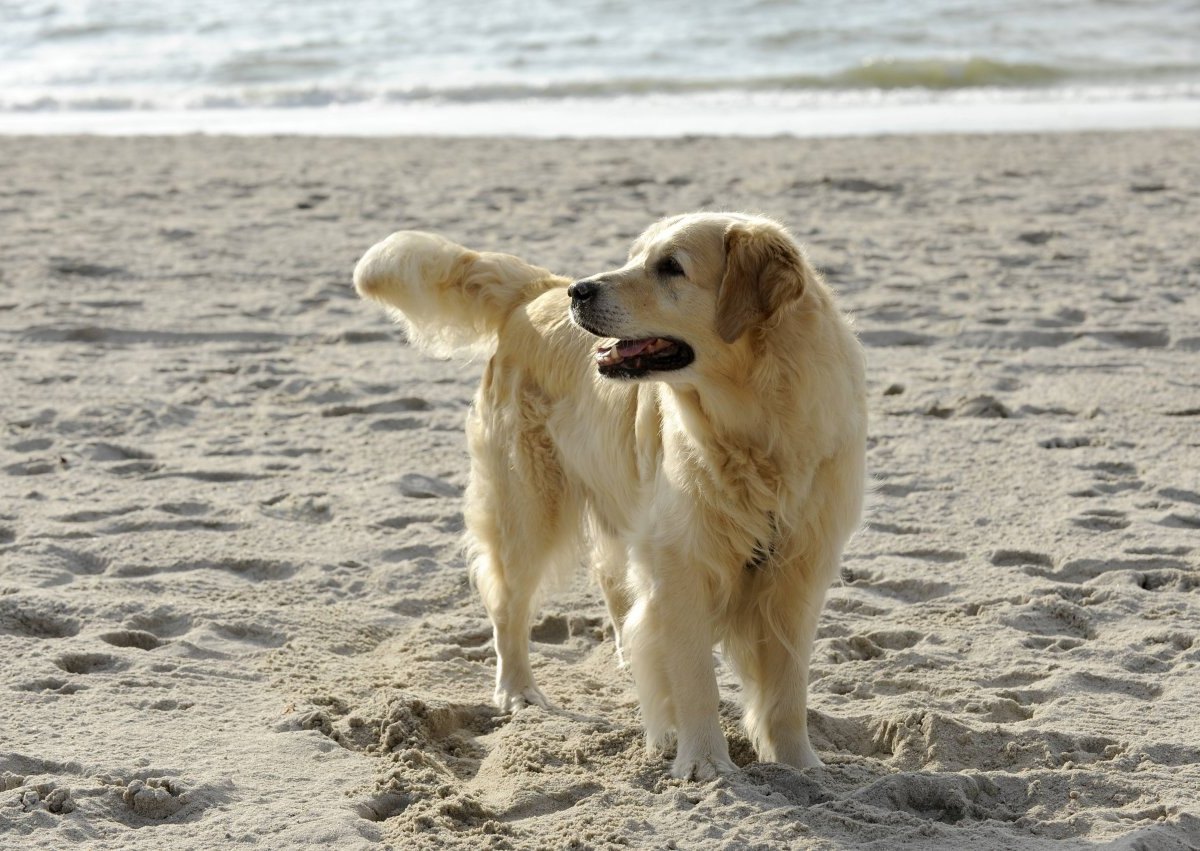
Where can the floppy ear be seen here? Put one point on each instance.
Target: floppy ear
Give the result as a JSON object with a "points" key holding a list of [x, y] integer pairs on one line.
{"points": [[764, 270]]}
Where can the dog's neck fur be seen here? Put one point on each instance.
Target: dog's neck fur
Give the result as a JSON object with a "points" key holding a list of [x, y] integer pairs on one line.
{"points": [[727, 420], [732, 457], [738, 400], [734, 449]]}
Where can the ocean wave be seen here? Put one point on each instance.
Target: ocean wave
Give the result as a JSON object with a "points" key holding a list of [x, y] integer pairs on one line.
{"points": [[663, 104], [92, 103], [972, 72], [873, 81], [881, 74]]}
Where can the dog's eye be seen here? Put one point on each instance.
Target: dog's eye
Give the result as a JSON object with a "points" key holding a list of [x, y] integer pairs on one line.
{"points": [[669, 267]]}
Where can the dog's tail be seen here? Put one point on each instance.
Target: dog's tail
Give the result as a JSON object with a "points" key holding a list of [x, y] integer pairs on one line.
{"points": [[448, 298]]}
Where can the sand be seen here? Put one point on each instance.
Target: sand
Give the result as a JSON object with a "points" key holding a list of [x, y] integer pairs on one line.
{"points": [[233, 610]]}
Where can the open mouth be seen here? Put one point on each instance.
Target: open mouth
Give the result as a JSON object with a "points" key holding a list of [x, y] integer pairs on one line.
{"points": [[635, 358]]}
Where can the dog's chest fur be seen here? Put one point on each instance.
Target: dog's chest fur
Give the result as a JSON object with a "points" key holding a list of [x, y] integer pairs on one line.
{"points": [[704, 497]]}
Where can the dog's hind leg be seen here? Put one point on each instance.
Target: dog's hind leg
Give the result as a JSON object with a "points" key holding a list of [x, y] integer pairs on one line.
{"points": [[508, 588], [610, 563], [521, 523]]}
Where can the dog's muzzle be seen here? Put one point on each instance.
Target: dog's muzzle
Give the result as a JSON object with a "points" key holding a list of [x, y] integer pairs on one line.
{"points": [[624, 358]]}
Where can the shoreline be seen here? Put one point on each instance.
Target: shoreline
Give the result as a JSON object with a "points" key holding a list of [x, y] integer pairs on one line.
{"points": [[649, 117]]}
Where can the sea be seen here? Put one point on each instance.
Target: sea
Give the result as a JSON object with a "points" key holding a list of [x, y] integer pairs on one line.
{"points": [[563, 68]]}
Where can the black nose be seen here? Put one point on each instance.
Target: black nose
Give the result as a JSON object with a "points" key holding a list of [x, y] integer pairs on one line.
{"points": [[582, 290]]}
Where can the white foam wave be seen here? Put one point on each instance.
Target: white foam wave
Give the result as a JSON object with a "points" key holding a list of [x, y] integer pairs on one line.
{"points": [[756, 114]]}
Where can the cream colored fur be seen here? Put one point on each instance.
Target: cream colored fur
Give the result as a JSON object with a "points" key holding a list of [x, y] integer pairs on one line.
{"points": [[675, 481]]}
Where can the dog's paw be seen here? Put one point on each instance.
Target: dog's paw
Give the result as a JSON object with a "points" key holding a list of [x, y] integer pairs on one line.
{"points": [[797, 753], [701, 768], [509, 700], [809, 759]]}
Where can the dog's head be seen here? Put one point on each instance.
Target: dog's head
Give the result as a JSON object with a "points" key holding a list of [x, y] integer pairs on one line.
{"points": [[694, 287]]}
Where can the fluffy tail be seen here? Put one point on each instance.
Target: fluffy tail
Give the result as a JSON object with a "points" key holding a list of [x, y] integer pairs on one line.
{"points": [[448, 298]]}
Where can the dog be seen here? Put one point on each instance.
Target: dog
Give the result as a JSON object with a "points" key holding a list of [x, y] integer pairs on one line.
{"points": [[696, 417]]}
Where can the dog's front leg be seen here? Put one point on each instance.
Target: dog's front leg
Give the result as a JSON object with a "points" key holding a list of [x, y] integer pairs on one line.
{"points": [[701, 750], [669, 635]]}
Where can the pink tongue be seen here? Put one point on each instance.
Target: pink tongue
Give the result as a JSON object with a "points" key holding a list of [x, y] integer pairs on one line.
{"points": [[629, 348]]}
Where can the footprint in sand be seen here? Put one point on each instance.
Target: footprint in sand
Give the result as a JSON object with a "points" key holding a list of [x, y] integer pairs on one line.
{"points": [[384, 805], [906, 589], [1020, 558], [90, 663], [1111, 569], [558, 629], [1180, 495], [396, 424], [311, 508], [1176, 517], [406, 404], [1109, 480], [853, 606], [901, 489], [1169, 648], [51, 684], [35, 619], [114, 452], [1086, 682], [132, 638], [874, 645], [1037, 237], [162, 622], [895, 528], [66, 562], [417, 486], [37, 467], [250, 569], [937, 556], [91, 515], [1051, 623], [215, 476], [185, 508], [1152, 337], [1101, 520], [35, 444], [1168, 580], [1066, 442]]}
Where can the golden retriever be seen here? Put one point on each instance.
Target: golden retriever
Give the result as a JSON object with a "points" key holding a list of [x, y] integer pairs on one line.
{"points": [[709, 450]]}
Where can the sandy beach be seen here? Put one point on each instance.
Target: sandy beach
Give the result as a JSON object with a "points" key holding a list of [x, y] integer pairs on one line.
{"points": [[233, 611]]}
